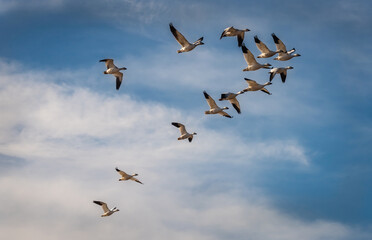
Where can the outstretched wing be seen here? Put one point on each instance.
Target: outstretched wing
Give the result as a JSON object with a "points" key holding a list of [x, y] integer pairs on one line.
{"points": [[223, 113], [248, 56], [210, 101], [265, 91], [251, 82], [135, 179], [178, 36], [103, 205], [122, 173], [283, 75], [240, 37], [260, 45], [235, 104], [279, 44], [180, 126], [119, 79], [109, 63]]}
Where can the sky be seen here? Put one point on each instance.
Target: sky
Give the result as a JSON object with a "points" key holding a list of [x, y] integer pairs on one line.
{"points": [[293, 165]]}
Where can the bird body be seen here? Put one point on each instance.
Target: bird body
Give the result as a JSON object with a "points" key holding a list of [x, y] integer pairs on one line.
{"points": [[281, 71], [231, 97], [184, 133], [186, 46], [254, 86], [214, 109], [253, 65], [265, 51], [114, 70], [232, 32], [106, 211], [284, 55], [125, 176]]}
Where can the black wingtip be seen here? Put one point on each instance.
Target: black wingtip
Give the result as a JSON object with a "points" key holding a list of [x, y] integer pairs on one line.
{"points": [[117, 169], [256, 39], [206, 94], [244, 48], [276, 39], [176, 124]]}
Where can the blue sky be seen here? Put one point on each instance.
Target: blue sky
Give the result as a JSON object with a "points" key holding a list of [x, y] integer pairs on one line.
{"points": [[293, 164]]}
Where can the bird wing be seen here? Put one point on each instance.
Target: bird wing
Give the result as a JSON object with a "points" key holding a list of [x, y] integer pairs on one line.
{"points": [[178, 36], [190, 139], [223, 113], [283, 75], [240, 37], [109, 63], [248, 56], [103, 205], [119, 79], [210, 101], [279, 44], [180, 126], [273, 73], [251, 83], [260, 45], [135, 179], [235, 104], [265, 91], [122, 173]]}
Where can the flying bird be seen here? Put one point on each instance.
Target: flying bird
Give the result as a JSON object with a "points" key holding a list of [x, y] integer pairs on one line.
{"points": [[214, 109], [125, 177], [281, 71], [265, 51], [184, 133], [232, 32], [284, 55], [253, 65], [254, 86], [231, 97], [106, 211], [186, 46], [114, 70]]}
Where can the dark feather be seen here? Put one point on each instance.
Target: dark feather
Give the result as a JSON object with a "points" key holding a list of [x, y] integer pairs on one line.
{"points": [[240, 40], [104, 60], [118, 83], [271, 76], [236, 108], [98, 202], [244, 49], [222, 35], [256, 39], [206, 95], [176, 124], [283, 75], [190, 139], [223, 96], [276, 39]]}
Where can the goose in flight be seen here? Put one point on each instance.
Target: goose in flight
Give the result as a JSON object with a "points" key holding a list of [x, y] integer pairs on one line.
{"points": [[231, 97], [106, 211], [254, 86], [253, 65], [184, 133], [265, 51], [125, 177], [232, 32], [214, 109], [281, 71], [186, 46], [114, 70], [284, 55]]}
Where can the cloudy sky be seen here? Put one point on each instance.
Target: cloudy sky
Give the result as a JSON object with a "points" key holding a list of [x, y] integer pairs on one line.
{"points": [[294, 165]]}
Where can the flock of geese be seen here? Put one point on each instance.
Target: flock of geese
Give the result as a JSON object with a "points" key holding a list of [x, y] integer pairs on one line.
{"points": [[253, 65]]}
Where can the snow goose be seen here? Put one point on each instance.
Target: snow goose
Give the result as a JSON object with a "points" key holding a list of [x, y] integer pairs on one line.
{"points": [[114, 70], [125, 177], [186, 46], [265, 51], [284, 55], [184, 133], [253, 65], [281, 71], [231, 97], [254, 86], [232, 32], [106, 211], [214, 109]]}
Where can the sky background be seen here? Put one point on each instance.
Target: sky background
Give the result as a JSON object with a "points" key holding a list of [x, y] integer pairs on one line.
{"points": [[294, 165]]}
